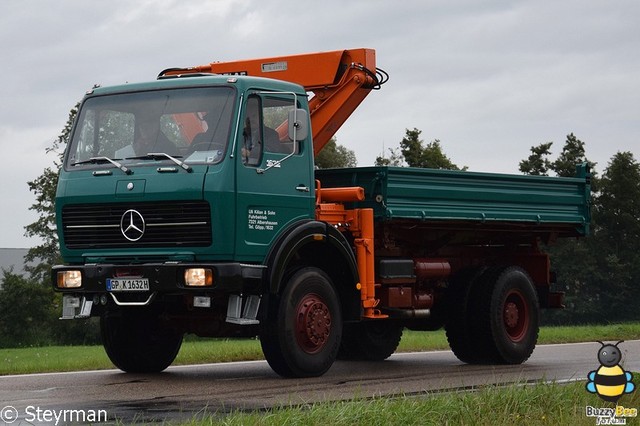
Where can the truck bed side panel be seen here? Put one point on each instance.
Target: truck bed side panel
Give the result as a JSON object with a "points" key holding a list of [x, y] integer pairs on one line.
{"points": [[444, 195]]}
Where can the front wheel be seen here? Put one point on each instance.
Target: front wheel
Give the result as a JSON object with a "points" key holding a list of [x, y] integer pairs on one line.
{"points": [[138, 342], [301, 333]]}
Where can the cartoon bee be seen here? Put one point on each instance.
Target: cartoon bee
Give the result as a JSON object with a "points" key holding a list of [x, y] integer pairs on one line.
{"points": [[610, 381]]}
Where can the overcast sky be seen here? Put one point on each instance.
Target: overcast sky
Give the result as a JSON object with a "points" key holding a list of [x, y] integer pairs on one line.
{"points": [[488, 78]]}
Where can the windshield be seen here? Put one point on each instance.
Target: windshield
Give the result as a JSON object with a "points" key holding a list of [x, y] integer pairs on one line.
{"points": [[191, 124]]}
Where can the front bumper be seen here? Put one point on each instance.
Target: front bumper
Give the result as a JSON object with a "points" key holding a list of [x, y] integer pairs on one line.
{"points": [[165, 278], [239, 284]]}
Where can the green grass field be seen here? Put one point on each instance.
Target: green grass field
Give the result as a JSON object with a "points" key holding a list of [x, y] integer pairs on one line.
{"points": [[197, 351], [548, 404]]}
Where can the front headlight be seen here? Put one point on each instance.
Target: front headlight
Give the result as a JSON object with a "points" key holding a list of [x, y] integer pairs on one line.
{"points": [[70, 279], [198, 277]]}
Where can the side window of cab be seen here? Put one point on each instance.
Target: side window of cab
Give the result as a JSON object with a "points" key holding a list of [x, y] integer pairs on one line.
{"points": [[276, 120], [265, 128]]}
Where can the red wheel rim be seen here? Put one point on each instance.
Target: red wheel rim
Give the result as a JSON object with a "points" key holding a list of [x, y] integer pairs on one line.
{"points": [[313, 324], [515, 314]]}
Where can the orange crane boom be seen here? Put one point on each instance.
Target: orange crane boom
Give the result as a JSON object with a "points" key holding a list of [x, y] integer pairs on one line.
{"points": [[339, 81]]}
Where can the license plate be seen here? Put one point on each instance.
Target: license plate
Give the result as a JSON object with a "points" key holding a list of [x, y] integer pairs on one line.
{"points": [[127, 284]]}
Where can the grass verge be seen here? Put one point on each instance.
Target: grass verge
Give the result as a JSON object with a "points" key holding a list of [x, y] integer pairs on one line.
{"points": [[549, 404], [196, 351]]}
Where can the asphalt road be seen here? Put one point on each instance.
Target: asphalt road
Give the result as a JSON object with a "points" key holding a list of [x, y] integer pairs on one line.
{"points": [[184, 391]]}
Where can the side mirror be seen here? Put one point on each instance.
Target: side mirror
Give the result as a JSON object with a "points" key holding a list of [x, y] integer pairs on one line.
{"points": [[298, 125]]}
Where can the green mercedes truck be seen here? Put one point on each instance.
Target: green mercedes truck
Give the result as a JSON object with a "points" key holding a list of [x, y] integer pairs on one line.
{"points": [[191, 204]]}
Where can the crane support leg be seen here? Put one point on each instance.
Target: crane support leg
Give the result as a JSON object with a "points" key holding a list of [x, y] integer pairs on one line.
{"points": [[365, 257], [359, 222]]}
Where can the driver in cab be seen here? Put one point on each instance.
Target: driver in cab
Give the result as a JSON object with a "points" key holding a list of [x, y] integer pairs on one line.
{"points": [[148, 138]]}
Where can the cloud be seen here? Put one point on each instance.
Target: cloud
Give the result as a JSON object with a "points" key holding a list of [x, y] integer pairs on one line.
{"points": [[489, 79]]}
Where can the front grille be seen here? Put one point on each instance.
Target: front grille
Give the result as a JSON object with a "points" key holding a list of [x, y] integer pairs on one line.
{"points": [[166, 224]]}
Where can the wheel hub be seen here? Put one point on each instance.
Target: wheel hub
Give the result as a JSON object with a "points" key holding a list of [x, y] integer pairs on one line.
{"points": [[313, 323], [511, 314], [515, 316]]}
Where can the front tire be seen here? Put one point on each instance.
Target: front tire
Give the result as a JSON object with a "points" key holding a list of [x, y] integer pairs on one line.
{"points": [[138, 342], [301, 333]]}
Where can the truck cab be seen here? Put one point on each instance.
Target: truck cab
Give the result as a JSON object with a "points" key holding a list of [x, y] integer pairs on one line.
{"points": [[179, 170]]}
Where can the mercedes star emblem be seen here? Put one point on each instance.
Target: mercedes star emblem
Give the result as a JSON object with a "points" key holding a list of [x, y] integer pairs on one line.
{"points": [[132, 225]]}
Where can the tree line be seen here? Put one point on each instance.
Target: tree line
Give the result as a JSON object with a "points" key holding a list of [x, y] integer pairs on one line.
{"points": [[600, 274]]}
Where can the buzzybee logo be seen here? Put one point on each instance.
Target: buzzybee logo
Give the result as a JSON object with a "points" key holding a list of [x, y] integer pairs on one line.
{"points": [[610, 381]]}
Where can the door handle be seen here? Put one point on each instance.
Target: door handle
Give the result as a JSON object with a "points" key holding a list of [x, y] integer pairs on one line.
{"points": [[302, 188]]}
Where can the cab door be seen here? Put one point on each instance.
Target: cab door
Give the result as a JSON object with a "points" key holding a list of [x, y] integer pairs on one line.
{"points": [[274, 176]]}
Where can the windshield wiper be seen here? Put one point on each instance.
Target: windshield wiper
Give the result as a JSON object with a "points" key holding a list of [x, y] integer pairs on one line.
{"points": [[159, 156], [98, 160]]}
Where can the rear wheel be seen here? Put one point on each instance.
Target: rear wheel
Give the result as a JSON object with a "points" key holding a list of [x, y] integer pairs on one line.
{"points": [[506, 308], [138, 342], [459, 316], [301, 334], [370, 340]]}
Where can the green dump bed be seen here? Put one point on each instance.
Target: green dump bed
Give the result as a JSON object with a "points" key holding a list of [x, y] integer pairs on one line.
{"points": [[454, 196]]}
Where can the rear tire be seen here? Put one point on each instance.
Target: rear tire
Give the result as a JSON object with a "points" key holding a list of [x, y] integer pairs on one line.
{"points": [[373, 340], [137, 342], [301, 333], [506, 308], [459, 317]]}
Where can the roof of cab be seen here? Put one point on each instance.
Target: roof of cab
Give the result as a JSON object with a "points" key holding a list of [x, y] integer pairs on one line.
{"points": [[199, 80]]}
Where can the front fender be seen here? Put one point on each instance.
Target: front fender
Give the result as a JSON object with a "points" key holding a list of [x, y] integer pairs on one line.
{"points": [[290, 244]]}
